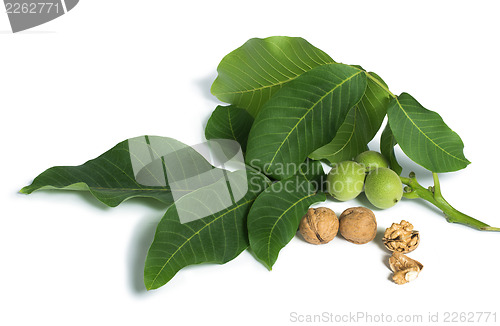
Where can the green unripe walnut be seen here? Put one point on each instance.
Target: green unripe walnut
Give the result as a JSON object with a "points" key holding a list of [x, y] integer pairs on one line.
{"points": [[345, 180], [383, 188], [372, 160]]}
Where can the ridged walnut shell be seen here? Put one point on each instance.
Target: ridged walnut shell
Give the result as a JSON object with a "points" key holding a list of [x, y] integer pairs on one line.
{"points": [[358, 225], [319, 226]]}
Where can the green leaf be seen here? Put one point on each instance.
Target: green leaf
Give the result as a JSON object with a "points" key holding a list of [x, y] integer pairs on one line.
{"points": [[133, 168], [275, 216], [424, 137], [229, 122], [360, 126], [251, 74], [387, 143], [348, 141], [212, 235], [303, 116]]}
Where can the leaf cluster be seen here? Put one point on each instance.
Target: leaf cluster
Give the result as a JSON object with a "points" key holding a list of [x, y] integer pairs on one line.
{"points": [[290, 108]]}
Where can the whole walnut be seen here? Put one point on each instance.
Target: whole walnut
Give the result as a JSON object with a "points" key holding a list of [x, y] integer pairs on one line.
{"points": [[358, 225], [319, 226], [401, 237]]}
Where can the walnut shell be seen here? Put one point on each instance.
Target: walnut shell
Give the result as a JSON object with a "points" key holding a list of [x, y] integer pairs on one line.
{"points": [[405, 269], [401, 237], [358, 225], [319, 225]]}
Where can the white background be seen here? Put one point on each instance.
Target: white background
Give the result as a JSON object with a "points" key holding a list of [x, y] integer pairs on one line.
{"points": [[110, 70]]}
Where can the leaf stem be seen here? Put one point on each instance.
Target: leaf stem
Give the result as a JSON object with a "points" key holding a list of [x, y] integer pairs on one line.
{"points": [[433, 195]]}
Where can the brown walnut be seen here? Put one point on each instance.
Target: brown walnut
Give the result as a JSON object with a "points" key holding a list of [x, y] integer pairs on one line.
{"points": [[319, 225], [358, 225], [405, 269], [401, 237]]}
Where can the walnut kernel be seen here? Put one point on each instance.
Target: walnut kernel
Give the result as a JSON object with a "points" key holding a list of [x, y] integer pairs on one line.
{"points": [[405, 269], [401, 237]]}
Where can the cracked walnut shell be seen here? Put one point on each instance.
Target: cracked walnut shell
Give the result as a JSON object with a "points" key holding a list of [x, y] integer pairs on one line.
{"points": [[319, 225], [401, 237], [405, 269]]}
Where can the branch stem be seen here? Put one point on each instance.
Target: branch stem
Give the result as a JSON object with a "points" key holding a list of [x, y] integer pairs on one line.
{"points": [[434, 196]]}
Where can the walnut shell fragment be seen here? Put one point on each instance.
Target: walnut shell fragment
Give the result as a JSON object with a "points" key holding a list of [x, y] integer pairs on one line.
{"points": [[405, 269], [401, 237], [319, 226]]}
